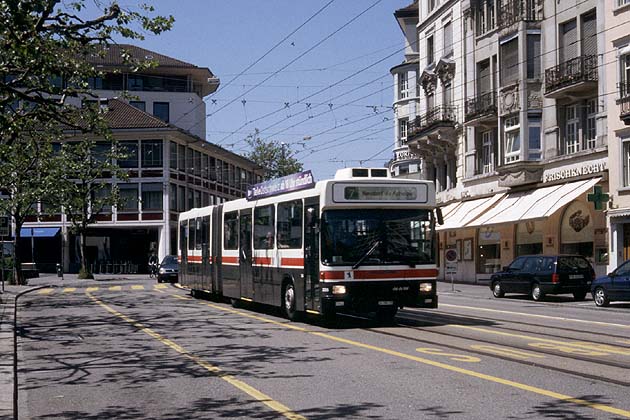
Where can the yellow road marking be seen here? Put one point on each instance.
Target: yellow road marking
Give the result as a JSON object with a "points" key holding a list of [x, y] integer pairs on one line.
{"points": [[46, 291], [467, 372], [160, 286], [69, 289], [249, 390], [574, 344], [557, 318], [503, 351], [137, 287], [91, 289], [115, 288], [452, 356]]}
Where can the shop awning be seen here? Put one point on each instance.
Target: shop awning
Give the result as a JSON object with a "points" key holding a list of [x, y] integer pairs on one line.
{"points": [[458, 215], [534, 204], [39, 232]]}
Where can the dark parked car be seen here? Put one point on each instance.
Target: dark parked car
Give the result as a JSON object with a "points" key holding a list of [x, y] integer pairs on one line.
{"points": [[169, 269], [614, 286], [539, 275]]}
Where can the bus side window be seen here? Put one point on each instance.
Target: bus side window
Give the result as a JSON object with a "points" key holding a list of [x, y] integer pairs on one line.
{"points": [[264, 227], [230, 230], [290, 224]]}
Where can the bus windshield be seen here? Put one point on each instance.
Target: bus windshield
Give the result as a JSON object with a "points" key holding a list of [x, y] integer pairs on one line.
{"points": [[377, 237]]}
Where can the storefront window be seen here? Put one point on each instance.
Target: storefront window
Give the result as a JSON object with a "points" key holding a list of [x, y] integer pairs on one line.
{"points": [[529, 238], [576, 231], [488, 251]]}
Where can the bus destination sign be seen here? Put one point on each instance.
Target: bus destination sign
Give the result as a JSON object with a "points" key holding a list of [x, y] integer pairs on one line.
{"points": [[381, 193], [289, 183]]}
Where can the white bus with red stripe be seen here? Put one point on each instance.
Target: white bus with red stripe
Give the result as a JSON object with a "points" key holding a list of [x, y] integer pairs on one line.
{"points": [[362, 242]]}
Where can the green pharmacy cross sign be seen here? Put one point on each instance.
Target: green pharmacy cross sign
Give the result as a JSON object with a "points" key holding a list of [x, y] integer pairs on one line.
{"points": [[598, 197]]}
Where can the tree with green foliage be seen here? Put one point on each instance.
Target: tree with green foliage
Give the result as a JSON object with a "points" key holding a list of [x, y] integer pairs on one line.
{"points": [[87, 192], [48, 58], [276, 158]]}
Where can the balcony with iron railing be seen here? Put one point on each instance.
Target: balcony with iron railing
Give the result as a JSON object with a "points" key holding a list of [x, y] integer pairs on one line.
{"points": [[481, 109], [434, 131], [624, 102], [577, 76], [514, 11]]}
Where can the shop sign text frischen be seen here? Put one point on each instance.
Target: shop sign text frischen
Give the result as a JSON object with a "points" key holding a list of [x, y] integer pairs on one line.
{"points": [[293, 182], [575, 171]]}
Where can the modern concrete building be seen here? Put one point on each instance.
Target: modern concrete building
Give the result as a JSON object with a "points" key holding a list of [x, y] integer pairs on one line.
{"points": [[518, 147], [171, 168], [616, 63]]}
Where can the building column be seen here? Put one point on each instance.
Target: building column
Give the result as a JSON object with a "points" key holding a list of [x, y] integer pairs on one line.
{"points": [[164, 240]]}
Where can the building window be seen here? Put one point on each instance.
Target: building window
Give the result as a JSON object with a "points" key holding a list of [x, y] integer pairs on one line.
{"points": [[403, 125], [181, 198], [173, 157], [181, 158], [141, 105], [624, 76], [152, 196], [534, 130], [130, 151], [128, 198], [448, 39], [430, 102], [568, 41], [172, 199], [151, 153], [403, 86], [486, 164], [512, 131], [488, 251], [533, 56], [447, 95], [626, 161], [432, 4], [160, 110], [571, 129], [590, 134], [430, 50], [509, 62], [622, 2]]}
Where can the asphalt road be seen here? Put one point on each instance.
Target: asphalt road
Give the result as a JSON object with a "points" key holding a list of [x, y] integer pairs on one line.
{"points": [[138, 350]]}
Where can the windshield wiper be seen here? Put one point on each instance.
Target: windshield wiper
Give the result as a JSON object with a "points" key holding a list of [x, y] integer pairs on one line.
{"points": [[367, 253]]}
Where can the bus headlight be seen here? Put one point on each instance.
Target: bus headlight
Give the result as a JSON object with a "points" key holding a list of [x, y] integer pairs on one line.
{"points": [[426, 287], [339, 289]]}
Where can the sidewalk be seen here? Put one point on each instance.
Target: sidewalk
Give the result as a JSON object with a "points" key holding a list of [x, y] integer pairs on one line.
{"points": [[7, 309]]}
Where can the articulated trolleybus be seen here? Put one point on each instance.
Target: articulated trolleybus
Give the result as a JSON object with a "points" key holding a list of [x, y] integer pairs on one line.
{"points": [[360, 243]]}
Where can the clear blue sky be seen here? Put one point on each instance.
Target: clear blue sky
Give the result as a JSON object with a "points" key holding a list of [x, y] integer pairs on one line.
{"points": [[228, 36]]}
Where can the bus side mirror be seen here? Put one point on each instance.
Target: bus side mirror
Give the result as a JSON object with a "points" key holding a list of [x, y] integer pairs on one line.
{"points": [[438, 215]]}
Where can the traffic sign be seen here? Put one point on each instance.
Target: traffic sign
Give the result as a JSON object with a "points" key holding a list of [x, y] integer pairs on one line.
{"points": [[451, 268], [451, 255], [5, 227]]}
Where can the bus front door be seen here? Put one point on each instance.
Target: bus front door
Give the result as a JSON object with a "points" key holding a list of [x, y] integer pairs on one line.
{"points": [[245, 256], [311, 253]]}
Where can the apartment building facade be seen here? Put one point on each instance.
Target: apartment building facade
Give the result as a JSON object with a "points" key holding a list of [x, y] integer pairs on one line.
{"points": [[617, 71], [154, 116], [530, 146]]}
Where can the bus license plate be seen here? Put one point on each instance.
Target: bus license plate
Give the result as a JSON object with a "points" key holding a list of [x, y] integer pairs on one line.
{"points": [[385, 302]]}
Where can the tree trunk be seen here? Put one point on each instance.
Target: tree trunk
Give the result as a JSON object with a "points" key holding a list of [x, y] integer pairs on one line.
{"points": [[85, 272], [17, 261]]}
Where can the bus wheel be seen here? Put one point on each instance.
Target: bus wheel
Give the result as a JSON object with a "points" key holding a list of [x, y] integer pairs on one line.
{"points": [[236, 303], [386, 315], [288, 302]]}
